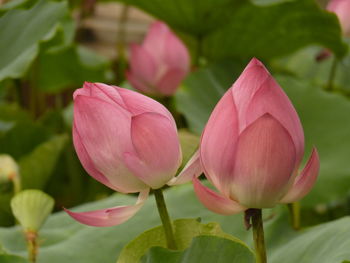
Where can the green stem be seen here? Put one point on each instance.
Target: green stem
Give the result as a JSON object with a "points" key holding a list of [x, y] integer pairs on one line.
{"points": [[164, 216], [32, 245], [17, 184], [258, 234], [294, 210], [330, 84]]}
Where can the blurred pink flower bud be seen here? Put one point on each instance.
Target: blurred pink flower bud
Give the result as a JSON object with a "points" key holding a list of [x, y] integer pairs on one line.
{"points": [[159, 65], [251, 148], [342, 9], [125, 140]]}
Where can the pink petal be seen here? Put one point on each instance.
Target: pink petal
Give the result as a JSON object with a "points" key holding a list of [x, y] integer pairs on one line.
{"points": [[214, 201], [218, 143], [110, 216], [155, 39], [137, 103], [104, 131], [87, 162], [265, 161], [177, 55], [245, 87], [157, 145], [170, 81], [192, 169], [100, 91], [270, 98], [342, 10], [305, 181], [142, 65]]}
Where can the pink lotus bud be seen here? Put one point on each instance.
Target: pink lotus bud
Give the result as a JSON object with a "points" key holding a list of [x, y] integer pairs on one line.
{"points": [[159, 65], [252, 146], [342, 9], [126, 141]]}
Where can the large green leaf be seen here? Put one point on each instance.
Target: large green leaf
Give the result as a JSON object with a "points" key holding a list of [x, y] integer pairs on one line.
{"points": [[184, 231], [274, 30], [36, 167], [203, 249], [325, 118], [20, 34], [241, 29], [64, 240], [324, 243]]}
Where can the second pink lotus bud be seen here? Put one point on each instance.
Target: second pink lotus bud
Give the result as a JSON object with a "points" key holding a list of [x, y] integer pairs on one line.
{"points": [[252, 147], [158, 66]]}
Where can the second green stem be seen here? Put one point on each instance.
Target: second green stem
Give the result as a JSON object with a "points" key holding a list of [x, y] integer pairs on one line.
{"points": [[164, 216], [333, 70], [258, 234]]}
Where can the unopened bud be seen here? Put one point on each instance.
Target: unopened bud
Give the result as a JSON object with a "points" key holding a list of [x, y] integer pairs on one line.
{"points": [[31, 208]]}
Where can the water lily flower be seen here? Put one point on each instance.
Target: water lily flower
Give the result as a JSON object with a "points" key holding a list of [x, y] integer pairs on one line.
{"points": [[251, 148], [342, 9], [126, 141], [158, 66]]}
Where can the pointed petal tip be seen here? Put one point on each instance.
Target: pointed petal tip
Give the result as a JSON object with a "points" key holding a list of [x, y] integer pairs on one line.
{"points": [[258, 65], [87, 84], [215, 202], [192, 169], [255, 62], [110, 216], [305, 181]]}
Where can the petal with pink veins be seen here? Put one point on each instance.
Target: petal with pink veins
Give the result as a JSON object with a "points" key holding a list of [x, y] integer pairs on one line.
{"points": [[110, 216], [104, 141], [87, 162], [192, 169], [157, 146], [214, 201], [137, 103], [102, 91], [270, 98], [264, 164], [218, 143], [245, 87], [305, 181]]}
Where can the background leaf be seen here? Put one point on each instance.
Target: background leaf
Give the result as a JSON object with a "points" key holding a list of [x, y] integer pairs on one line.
{"points": [[36, 168], [184, 230], [68, 67], [222, 29], [203, 249], [20, 34]]}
